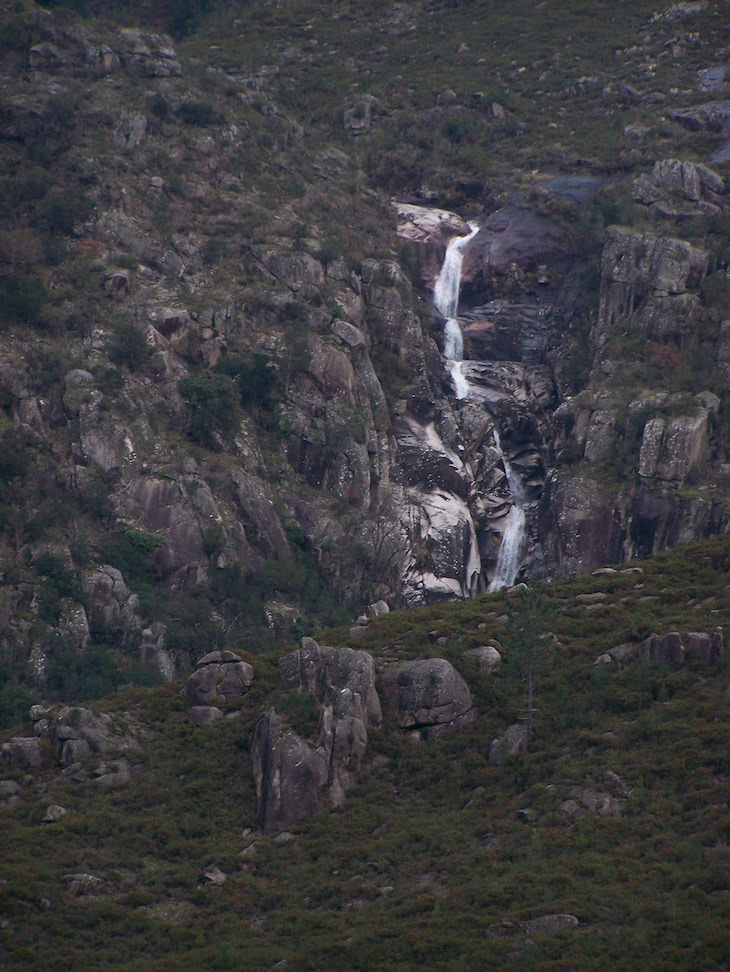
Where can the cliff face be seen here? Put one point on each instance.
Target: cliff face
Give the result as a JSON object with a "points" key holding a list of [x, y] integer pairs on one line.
{"points": [[226, 413]]}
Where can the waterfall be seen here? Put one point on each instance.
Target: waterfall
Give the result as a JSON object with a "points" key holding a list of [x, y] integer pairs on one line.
{"points": [[512, 547], [448, 282], [453, 341], [446, 300], [461, 382]]}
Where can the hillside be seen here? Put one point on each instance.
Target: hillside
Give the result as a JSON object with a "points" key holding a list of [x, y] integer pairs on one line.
{"points": [[606, 842], [316, 311], [231, 412]]}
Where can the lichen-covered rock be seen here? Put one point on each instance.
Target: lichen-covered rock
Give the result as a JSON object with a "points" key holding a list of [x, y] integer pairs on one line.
{"points": [[486, 656], [74, 751], [667, 650], [651, 444], [221, 675], [427, 693], [336, 675], [685, 444], [54, 813], [646, 280], [10, 793], [699, 645], [288, 774], [112, 775], [600, 437], [25, 753], [579, 515], [359, 119], [205, 715], [421, 224], [302, 669], [349, 675], [111, 603], [81, 883], [511, 742], [551, 923]]}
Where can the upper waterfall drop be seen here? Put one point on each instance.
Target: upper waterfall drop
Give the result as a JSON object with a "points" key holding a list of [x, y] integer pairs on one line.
{"points": [[448, 283], [446, 299]]}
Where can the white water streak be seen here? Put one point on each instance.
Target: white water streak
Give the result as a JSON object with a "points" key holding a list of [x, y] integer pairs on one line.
{"points": [[453, 341], [512, 547], [448, 282], [462, 387]]}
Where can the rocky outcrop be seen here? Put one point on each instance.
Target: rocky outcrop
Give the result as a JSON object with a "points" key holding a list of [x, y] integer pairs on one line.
{"points": [[221, 677], [581, 523], [111, 604], [551, 923], [646, 282], [336, 675], [421, 224], [292, 775], [85, 744], [344, 682], [680, 190], [24, 753], [358, 119], [287, 772], [427, 695], [706, 648]]}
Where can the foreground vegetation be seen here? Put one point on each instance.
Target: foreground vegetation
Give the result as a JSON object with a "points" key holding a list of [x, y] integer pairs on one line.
{"points": [[438, 857]]}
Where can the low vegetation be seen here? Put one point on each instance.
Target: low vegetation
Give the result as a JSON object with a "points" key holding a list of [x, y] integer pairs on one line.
{"points": [[439, 858]]}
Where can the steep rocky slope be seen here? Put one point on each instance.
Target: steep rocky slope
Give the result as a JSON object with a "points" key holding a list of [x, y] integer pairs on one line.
{"points": [[226, 410]]}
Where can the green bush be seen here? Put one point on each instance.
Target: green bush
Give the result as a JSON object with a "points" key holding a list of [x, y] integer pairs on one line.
{"points": [[21, 299], [60, 213], [213, 407], [331, 249], [129, 346], [213, 250], [199, 113], [255, 378]]}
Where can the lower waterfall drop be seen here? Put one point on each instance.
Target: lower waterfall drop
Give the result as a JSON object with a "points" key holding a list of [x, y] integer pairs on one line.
{"points": [[512, 548]]}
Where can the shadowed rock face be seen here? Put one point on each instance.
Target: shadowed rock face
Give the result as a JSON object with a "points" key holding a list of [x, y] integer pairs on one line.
{"points": [[426, 694], [287, 772], [221, 676], [667, 650], [512, 243]]}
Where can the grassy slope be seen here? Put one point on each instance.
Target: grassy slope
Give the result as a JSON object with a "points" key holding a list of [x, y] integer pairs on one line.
{"points": [[434, 822]]}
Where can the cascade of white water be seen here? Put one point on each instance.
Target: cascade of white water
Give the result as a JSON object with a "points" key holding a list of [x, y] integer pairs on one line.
{"points": [[511, 550], [513, 480], [446, 299], [512, 546], [453, 341], [461, 382], [448, 282]]}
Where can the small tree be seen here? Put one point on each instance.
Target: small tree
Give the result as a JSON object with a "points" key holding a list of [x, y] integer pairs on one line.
{"points": [[212, 401], [529, 637]]}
